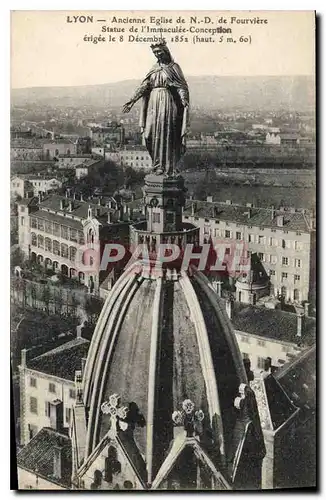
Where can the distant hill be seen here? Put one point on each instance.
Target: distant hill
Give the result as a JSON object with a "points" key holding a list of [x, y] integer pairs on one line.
{"points": [[213, 92]]}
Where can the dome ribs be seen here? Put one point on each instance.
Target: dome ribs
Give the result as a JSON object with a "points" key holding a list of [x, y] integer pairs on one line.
{"points": [[152, 376], [206, 362], [109, 335]]}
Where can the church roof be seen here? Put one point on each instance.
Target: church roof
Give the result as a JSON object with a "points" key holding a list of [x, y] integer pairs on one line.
{"points": [[164, 337]]}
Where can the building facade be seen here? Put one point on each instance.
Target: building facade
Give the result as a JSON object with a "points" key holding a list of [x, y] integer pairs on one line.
{"points": [[68, 235], [45, 381], [284, 240], [136, 157], [59, 147]]}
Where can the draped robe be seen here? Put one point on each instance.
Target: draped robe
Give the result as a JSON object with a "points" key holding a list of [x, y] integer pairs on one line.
{"points": [[164, 115]]}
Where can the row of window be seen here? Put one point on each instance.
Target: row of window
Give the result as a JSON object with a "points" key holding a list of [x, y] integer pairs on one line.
{"points": [[272, 259], [54, 247], [33, 407], [261, 362], [52, 387], [253, 238], [67, 233], [261, 343], [131, 164], [147, 158], [298, 233]]}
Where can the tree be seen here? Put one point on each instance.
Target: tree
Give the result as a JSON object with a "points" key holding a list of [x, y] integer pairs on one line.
{"points": [[93, 307], [46, 297]]}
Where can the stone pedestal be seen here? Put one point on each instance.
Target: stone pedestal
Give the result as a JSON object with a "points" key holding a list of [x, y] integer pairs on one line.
{"points": [[164, 201]]}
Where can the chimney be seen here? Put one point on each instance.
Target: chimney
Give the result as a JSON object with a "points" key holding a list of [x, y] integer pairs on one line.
{"points": [[131, 213], [218, 287], [99, 201], [209, 199], [40, 196], [23, 357], [109, 204], [74, 195], [109, 217], [268, 365], [62, 204], [121, 212], [193, 209], [133, 196], [272, 212], [57, 461], [83, 364], [81, 197], [300, 321], [56, 415], [67, 193], [97, 212], [71, 206], [249, 213], [191, 197], [280, 220], [306, 309], [229, 307]]}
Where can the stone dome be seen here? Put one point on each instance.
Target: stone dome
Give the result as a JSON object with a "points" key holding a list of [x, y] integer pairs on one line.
{"points": [[164, 337]]}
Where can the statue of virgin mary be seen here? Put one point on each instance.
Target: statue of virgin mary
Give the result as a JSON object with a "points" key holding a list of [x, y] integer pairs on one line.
{"points": [[164, 113]]}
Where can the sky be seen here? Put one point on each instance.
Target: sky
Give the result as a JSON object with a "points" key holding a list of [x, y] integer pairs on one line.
{"points": [[46, 50]]}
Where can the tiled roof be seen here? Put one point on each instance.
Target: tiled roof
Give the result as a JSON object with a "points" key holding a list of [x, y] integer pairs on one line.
{"points": [[80, 210], [59, 219], [62, 361], [298, 378], [38, 456], [28, 201], [272, 323], [296, 221]]}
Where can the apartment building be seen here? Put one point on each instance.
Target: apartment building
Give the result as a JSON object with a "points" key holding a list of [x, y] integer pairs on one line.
{"points": [[54, 230], [283, 239], [46, 382], [273, 334], [136, 157]]}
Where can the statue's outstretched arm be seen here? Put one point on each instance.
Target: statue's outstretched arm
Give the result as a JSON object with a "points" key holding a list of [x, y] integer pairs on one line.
{"points": [[143, 89]]}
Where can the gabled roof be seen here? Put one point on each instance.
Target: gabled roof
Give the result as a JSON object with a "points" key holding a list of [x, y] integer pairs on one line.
{"points": [[272, 323], [62, 361], [298, 378], [179, 444], [259, 216], [38, 456]]}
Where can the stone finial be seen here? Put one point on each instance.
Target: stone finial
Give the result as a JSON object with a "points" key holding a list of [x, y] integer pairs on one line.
{"points": [[188, 417], [112, 408]]}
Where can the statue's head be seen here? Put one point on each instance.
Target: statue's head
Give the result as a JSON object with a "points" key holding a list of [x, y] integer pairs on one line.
{"points": [[161, 51]]}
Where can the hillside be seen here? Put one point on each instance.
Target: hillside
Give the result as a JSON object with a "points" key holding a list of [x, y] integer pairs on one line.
{"points": [[212, 92]]}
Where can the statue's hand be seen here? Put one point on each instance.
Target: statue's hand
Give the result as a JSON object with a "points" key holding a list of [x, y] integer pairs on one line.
{"points": [[127, 107]]}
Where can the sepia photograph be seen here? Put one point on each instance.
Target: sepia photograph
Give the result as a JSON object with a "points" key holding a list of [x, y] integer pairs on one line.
{"points": [[163, 250]]}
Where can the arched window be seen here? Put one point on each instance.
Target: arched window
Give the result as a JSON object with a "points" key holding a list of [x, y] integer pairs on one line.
{"points": [[40, 241], [48, 244], [64, 250], [296, 294], [72, 253], [283, 244], [34, 239], [56, 247]]}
